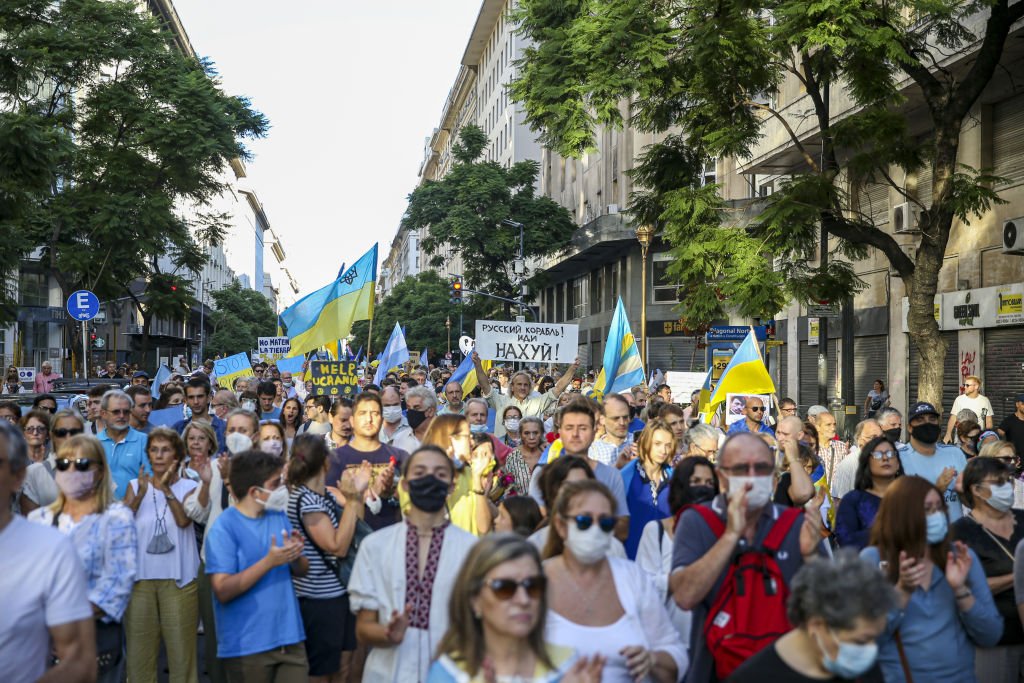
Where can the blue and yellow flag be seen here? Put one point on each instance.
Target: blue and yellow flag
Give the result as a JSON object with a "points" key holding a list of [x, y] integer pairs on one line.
{"points": [[393, 355], [622, 367], [465, 374], [745, 374], [327, 314]]}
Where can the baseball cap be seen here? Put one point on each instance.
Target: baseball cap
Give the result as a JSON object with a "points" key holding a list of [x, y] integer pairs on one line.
{"points": [[921, 408], [1020, 398], [141, 373]]}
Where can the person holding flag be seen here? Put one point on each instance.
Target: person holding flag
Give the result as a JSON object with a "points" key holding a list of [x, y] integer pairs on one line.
{"points": [[521, 393], [745, 374]]}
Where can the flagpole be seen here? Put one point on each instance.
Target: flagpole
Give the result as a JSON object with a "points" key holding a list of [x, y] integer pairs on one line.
{"points": [[775, 396], [369, 336]]}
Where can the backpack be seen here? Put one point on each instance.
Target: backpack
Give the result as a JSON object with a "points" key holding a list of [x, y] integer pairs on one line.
{"points": [[749, 611], [340, 566]]}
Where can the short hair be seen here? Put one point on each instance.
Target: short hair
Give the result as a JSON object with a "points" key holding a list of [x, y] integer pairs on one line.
{"points": [[992, 448], [17, 447], [967, 415], [787, 402], [266, 388], [248, 414], [410, 383], [335, 407], [13, 407], [617, 397], [363, 397], [662, 386], [427, 448], [700, 432], [63, 415], [322, 401], [206, 429], [816, 410], [578, 408], [371, 388], [743, 436], [884, 413], [859, 429], [974, 377], [115, 394], [98, 390], [43, 416], [169, 435], [976, 471], [839, 592], [481, 401], [426, 394], [227, 397], [251, 468], [43, 397], [198, 382]]}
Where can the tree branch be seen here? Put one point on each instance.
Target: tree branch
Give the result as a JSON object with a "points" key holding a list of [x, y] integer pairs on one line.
{"points": [[986, 59], [789, 129], [883, 241]]}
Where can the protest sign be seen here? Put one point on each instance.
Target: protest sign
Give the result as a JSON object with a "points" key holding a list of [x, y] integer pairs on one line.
{"points": [[503, 341], [683, 384], [273, 345], [232, 367], [735, 403], [334, 378], [292, 365], [26, 374]]}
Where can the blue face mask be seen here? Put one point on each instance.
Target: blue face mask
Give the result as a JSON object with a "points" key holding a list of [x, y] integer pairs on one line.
{"points": [[937, 526], [477, 429], [852, 660]]}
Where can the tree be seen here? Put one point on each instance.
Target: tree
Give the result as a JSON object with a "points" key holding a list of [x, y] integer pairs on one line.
{"points": [[242, 315], [709, 68], [464, 211], [144, 132], [420, 304]]}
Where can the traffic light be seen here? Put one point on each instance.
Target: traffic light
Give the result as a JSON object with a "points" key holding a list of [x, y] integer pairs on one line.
{"points": [[455, 290], [174, 288]]}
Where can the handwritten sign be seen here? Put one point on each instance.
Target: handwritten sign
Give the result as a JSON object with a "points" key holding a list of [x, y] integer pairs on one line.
{"points": [[227, 369], [503, 341], [276, 345], [334, 378]]}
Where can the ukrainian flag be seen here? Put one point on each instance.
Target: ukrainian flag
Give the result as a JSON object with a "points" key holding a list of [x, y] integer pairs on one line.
{"points": [[622, 367], [465, 374], [745, 374], [705, 394], [327, 314], [393, 355]]}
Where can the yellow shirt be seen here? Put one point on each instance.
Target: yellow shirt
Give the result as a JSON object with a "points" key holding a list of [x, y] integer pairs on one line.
{"points": [[462, 503]]}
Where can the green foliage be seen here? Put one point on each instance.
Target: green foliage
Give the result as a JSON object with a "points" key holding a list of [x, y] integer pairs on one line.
{"points": [[420, 304], [242, 315], [463, 212]]}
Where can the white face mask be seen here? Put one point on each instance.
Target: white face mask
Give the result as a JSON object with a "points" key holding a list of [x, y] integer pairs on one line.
{"points": [[511, 425], [237, 442], [1002, 496], [392, 414], [759, 495], [272, 446], [590, 546], [277, 501]]}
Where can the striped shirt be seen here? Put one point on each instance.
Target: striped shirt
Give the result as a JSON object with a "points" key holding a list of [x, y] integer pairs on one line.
{"points": [[320, 581]]}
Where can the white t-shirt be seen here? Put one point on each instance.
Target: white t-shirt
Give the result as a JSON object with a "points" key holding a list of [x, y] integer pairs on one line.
{"points": [[981, 406], [43, 585]]}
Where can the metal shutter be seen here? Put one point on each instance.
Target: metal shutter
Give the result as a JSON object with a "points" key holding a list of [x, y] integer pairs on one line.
{"points": [[808, 378], [870, 362], [874, 202], [950, 375], [585, 360], [924, 185], [674, 353], [783, 371], [1004, 369], [1008, 138]]}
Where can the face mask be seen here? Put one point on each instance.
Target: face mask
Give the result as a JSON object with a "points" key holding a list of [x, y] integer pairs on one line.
{"points": [[415, 417], [277, 501], [852, 660], [237, 442], [701, 494], [590, 546], [75, 484], [428, 493], [926, 433], [249, 405], [759, 495], [272, 446], [477, 429], [511, 425], [937, 525], [392, 414], [894, 434], [1002, 496]]}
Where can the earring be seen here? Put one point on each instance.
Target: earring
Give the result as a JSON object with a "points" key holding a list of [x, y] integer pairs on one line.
{"points": [[476, 615]]}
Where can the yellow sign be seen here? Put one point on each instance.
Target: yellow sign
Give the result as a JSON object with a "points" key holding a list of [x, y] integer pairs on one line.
{"points": [[719, 361], [774, 342], [1010, 302], [813, 330]]}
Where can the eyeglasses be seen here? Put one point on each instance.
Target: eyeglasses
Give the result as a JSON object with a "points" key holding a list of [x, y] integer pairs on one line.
{"points": [[883, 455], [584, 522], [1007, 459], [756, 409], [505, 589], [787, 410], [81, 464], [67, 432], [36, 429], [761, 469]]}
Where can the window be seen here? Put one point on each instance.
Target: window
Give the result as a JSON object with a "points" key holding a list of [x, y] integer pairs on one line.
{"points": [[710, 172], [665, 290], [578, 303], [613, 283], [597, 291], [33, 289]]}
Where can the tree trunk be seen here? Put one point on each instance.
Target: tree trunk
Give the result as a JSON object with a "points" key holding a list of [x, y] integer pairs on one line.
{"points": [[922, 326]]}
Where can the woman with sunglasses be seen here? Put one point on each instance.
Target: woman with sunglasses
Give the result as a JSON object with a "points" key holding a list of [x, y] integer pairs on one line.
{"points": [[497, 617], [35, 425], [40, 489], [877, 468], [992, 529], [165, 602], [1006, 453], [646, 479], [103, 532], [601, 605]]}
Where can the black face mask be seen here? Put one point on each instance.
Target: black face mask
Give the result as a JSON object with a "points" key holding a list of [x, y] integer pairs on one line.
{"points": [[634, 411], [926, 433], [701, 494], [428, 493], [893, 434], [415, 417]]}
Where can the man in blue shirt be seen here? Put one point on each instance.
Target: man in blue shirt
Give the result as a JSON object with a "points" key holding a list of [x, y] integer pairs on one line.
{"points": [[937, 463], [197, 395], [266, 392], [125, 447], [251, 553], [753, 414]]}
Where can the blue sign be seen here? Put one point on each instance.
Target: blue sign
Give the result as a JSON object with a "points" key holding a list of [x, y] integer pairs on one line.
{"points": [[734, 333], [83, 305]]}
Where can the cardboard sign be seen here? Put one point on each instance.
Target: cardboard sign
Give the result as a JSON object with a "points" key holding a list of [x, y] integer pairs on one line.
{"points": [[334, 378], [275, 345], [683, 384], [227, 369], [503, 341], [735, 403]]}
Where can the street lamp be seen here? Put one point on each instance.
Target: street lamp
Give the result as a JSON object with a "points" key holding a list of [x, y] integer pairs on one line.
{"points": [[644, 235], [519, 266]]}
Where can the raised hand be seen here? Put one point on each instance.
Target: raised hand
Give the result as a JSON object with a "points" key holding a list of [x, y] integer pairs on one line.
{"points": [[143, 483], [355, 481], [811, 531], [736, 513], [161, 483], [912, 573], [946, 478], [383, 481], [203, 467], [958, 564], [397, 625]]}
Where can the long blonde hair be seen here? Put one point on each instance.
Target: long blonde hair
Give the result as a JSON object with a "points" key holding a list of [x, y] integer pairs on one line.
{"points": [[87, 446]]}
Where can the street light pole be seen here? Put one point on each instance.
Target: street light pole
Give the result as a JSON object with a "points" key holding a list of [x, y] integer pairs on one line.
{"points": [[519, 268], [644, 235]]}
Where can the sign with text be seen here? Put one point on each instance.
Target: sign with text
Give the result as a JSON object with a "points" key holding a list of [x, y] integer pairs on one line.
{"points": [[683, 384], [232, 367], [735, 333], [278, 346], [823, 310], [26, 374], [334, 378], [813, 331], [503, 341]]}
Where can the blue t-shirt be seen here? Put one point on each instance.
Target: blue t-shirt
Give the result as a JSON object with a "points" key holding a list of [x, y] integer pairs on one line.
{"points": [[274, 414], [930, 467], [267, 615]]}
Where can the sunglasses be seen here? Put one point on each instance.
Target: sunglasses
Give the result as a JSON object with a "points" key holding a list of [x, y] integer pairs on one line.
{"points": [[1007, 459], [505, 589], [756, 409], [605, 522], [883, 455], [81, 464], [67, 432]]}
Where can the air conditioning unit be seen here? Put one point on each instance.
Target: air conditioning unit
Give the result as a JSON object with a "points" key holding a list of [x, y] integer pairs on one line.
{"points": [[1013, 236], [613, 209], [905, 218]]}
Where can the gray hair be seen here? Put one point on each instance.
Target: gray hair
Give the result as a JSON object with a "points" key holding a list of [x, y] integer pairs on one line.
{"points": [[63, 414], [840, 592], [859, 429], [967, 415], [228, 397], [700, 432], [532, 419], [471, 401], [244, 413], [425, 393], [814, 411], [882, 414], [17, 449], [115, 394]]}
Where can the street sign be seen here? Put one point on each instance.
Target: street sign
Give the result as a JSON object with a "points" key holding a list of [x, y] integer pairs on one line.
{"points": [[822, 311], [734, 333], [83, 305]]}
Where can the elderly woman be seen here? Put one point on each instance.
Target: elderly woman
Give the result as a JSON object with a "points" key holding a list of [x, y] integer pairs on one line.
{"points": [[35, 425], [601, 605], [1006, 453], [877, 468], [521, 462], [993, 531], [40, 489], [837, 609], [646, 480], [497, 613], [103, 532]]}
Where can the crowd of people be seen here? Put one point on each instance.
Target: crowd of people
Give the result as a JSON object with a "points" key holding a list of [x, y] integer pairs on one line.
{"points": [[525, 531]]}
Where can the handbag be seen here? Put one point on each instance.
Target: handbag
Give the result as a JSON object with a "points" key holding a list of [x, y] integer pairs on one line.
{"points": [[340, 566], [161, 543]]}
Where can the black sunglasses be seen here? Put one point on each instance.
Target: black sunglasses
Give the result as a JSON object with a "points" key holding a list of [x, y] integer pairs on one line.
{"points": [[67, 432], [505, 589], [81, 464], [757, 409], [584, 522]]}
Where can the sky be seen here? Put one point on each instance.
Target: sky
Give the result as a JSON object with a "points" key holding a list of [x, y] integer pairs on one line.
{"points": [[352, 88]]}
